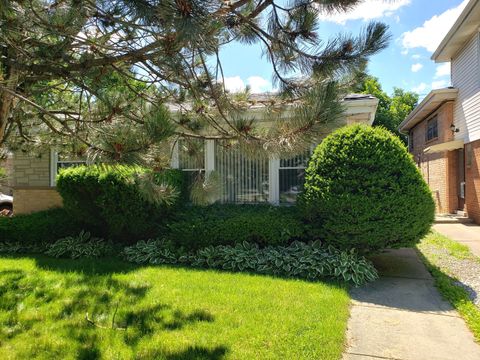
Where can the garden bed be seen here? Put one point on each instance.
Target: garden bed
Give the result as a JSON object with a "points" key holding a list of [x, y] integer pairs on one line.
{"points": [[163, 312]]}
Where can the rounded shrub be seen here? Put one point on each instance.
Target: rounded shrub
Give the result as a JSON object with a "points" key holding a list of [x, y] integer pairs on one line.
{"points": [[363, 190], [112, 200]]}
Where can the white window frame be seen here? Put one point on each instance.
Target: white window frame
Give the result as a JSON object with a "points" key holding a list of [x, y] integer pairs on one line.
{"points": [[209, 153], [54, 166]]}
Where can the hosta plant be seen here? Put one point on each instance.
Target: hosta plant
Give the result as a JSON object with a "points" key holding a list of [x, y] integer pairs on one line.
{"points": [[153, 251], [82, 245], [307, 261]]}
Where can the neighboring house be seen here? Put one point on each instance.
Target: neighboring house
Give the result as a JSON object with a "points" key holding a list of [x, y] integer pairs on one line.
{"points": [[245, 180], [444, 129]]}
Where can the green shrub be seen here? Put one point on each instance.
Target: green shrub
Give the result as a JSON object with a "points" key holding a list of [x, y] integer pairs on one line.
{"points": [[307, 261], [198, 227], [82, 245], [363, 191], [120, 202], [37, 228]]}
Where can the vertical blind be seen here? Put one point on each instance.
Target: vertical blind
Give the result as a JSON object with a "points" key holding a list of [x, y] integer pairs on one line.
{"points": [[244, 179]]}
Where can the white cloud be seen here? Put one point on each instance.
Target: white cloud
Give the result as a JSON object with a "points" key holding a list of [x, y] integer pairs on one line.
{"points": [[416, 57], [420, 88], [432, 32], [417, 67], [234, 84], [440, 84], [258, 84], [367, 10], [442, 70]]}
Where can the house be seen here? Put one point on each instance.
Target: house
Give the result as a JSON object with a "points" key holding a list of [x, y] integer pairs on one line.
{"points": [[244, 179], [444, 129]]}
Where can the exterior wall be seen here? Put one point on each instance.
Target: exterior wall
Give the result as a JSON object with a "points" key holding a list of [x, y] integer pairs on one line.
{"points": [[31, 184], [438, 169], [30, 199], [472, 179], [31, 170], [466, 78]]}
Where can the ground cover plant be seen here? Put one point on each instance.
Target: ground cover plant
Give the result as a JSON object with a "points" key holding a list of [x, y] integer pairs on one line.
{"points": [[110, 309], [363, 191], [299, 260], [445, 259]]}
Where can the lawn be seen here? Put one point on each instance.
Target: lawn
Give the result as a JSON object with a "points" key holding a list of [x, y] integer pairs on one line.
{"points": [[163, 313], [440, 253]]}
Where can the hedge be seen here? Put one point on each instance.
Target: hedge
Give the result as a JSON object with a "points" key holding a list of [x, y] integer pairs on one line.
{"points": [[40, 227], [198, 227], [363, 191], [110, 200]]}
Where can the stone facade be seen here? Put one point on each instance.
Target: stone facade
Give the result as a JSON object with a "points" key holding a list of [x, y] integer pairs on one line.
{"points": [[31, 184], [31, 170], [30, 199]]}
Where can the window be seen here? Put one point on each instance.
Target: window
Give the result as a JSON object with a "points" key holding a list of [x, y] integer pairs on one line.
{"points": [[62, 161], [191, 158], [292, 177], [410, 141], [245, 179], [432, 129]]}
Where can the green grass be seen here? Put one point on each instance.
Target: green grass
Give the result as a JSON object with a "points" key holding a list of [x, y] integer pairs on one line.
{"points": [[456, 295], [168, 313]]}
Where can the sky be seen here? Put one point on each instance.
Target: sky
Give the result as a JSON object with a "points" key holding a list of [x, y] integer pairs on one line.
{"points": [[416, 26]]}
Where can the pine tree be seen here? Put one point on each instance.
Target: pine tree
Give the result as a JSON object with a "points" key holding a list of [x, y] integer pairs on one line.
{"points": [[120, 79]]}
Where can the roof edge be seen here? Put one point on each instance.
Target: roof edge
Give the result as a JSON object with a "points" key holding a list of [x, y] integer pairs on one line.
{"points": [[412, 117], [451, 33]]}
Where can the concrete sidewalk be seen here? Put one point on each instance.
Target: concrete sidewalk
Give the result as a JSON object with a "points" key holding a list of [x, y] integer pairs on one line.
{"points": [[402, 316], [467, 234]]}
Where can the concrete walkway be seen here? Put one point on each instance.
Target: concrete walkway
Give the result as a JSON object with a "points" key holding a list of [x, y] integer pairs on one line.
{"points": [[402, 316], [467, 234]]}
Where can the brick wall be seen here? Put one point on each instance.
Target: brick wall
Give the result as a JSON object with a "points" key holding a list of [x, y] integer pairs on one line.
{"points": [[31, 170], [438, 169], [31, 199], [472, 179]]}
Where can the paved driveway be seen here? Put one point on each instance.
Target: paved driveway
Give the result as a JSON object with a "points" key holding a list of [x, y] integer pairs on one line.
{"points": [[467, 234]]}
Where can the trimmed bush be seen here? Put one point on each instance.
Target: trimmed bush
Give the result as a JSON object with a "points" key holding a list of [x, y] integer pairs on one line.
{"points": [[306, 261], [363, 191], [111, 200], [37, 228], [198, 227]]}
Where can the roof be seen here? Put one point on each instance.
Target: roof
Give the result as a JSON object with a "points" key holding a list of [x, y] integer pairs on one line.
{"points": [[432, 102], [264, 100], [461, 32]]}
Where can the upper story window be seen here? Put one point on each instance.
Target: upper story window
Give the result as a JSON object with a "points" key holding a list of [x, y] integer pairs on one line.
{"points": [[410, 141], [431, 132]]}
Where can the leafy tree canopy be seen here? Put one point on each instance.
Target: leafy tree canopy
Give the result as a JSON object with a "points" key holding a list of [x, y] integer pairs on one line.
{"points": [[392, 110], [118, 78]]}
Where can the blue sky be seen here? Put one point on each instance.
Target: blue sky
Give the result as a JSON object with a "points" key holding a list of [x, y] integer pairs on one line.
{"points": [[417, 27]]}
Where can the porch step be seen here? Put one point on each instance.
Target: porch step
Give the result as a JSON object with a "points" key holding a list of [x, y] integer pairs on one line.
{"points": [[452, 219]]}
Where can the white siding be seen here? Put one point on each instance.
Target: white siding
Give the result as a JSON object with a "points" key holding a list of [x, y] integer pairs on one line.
{"points": [[466, 77]]}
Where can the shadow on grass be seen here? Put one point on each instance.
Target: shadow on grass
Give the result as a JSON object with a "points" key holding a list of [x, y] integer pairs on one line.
{"points": [[87, 287]]}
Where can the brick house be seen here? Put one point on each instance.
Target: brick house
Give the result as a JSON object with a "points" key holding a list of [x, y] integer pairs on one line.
{"points": [[245, 180], [444, 129]]}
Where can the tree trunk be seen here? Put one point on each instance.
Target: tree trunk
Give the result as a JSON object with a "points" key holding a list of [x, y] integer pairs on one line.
{"points": [[6, 101]]}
